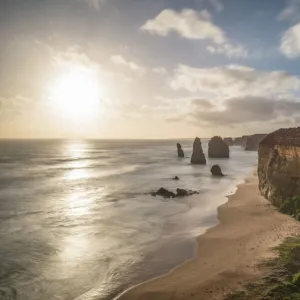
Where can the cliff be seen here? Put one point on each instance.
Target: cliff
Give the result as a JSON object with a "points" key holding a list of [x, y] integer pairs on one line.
{"points": [[279, 165], [228, 141], [217, 148], [252, 141]]}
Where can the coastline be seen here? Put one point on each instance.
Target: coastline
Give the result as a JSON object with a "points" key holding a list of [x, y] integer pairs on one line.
{"points": [[228, 254]]}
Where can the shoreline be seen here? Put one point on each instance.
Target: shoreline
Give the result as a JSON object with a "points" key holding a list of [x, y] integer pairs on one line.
{"points": [[227, 254]]}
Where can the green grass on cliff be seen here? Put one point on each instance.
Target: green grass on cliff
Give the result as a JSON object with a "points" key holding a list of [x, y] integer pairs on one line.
{"points": [[291, 206], [283, 283]]}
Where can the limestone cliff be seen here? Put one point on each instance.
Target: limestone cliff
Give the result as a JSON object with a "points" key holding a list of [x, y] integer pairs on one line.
{"points": [[228, 141], [251, 142], [279, 165]]}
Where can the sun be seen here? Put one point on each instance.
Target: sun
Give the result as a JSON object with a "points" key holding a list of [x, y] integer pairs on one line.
{"points": [[77, 93]]}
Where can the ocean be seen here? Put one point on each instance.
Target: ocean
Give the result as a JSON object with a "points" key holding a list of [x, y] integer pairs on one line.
{"points": [[76, 220]]}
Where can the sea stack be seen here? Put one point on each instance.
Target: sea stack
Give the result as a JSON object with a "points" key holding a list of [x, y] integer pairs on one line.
{"points": [[198, 157], [179, 150], [217, 148], [279, 165]]}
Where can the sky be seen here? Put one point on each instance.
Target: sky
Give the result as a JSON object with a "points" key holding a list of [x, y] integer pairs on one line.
{"points": [[148, 68]]}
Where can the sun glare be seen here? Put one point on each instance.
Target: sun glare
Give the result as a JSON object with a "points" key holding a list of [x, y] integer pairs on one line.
{"points": [[77, 94]]}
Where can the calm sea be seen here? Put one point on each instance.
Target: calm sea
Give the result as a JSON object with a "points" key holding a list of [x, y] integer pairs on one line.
{"points": [[76, 221]]}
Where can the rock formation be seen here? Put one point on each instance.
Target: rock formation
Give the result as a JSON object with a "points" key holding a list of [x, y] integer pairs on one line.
{"points": [[238, 141], [179, 150], [168, 194], [217, 148], [198, 156], [252, 141], [279, 165], [228, 141], [176, 178], [216, 171], [164, 193]]}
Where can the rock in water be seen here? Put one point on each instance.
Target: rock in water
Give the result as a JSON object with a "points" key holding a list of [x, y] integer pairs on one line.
{"points": [[279, 165], [182, 193], [216, 170], [198, 157], [179, 150], [176, 178], [164, 193], [217, 148]]}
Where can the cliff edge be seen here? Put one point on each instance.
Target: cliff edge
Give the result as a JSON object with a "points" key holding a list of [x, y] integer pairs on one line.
{"points": [[279, 165]]}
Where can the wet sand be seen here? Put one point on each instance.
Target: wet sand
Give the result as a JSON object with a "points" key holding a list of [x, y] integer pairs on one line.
{"points": [[227, 254]]}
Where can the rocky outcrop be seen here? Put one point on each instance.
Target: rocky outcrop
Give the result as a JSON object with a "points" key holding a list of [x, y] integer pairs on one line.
{"points": [[168, 194], [179, 151], [217, 148], [228, 141], [176, 178], [279, 165], [252, 141], [216, 171], [198, 157]]}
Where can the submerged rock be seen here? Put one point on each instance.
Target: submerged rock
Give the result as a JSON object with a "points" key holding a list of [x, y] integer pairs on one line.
{"points": [[216, 170], [168, 194], [176, 178], [198, 156], [182, 192], [164, 193], [179, 150], [217, 148]]}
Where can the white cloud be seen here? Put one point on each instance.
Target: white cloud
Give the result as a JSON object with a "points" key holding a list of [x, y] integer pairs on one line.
{"points": [[290, 12], [94, 3], [194, 25], [229, 50], [233, 81], [187, 23], [290, 42], [120, 60], [161, 71]]}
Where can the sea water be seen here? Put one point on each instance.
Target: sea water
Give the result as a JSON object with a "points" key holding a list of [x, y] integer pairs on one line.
{"points": [[76, 220]]}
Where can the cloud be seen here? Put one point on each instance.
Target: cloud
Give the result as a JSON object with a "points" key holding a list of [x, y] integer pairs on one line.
{"points": [[246, 109], [216, 4], [233, 81], [11, 106], [229, 50], [290, 12], [194, 25], [96, 4], [120, 60], [161, 71], [290, 42], [187, 23]]}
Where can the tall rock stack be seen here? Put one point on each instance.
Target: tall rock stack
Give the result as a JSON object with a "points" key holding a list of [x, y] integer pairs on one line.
{"points": [[217, 148], [252, 141], [279, 165], [198, 157], [179, 151]]}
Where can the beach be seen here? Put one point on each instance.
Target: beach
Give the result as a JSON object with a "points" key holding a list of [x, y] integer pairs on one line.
{"points": [[228, 254]]}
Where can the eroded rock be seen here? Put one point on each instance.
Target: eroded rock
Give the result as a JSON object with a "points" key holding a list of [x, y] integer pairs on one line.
{"points": [[217, 148], [216, 171], [198, 156], [179, 150]]}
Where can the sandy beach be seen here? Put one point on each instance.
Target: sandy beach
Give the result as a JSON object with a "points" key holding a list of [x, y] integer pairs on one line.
{"points": [[227, 254]]}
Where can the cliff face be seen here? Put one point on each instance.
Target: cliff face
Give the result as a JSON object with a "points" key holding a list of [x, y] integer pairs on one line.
{"points": [[279, 165], [252, 141], [228, 141]]}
